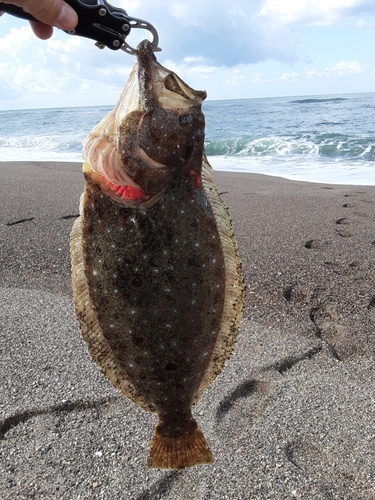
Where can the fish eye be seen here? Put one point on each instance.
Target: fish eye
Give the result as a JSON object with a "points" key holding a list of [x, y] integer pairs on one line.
{"points": [[171, 83]]}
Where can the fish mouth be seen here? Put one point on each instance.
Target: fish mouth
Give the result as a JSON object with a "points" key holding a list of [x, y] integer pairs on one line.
{"points": [[154, 133]]}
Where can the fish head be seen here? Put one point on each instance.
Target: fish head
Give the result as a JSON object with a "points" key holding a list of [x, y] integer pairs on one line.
{"points": [[154, 134]]}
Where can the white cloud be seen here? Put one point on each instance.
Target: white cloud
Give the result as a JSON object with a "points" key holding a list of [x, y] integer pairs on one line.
{"points": [[243, 31], [226, 34], [340, 70], [235, 79], [70, 44], [315, 11], [36, 70], [361, 23], [192, 59], [347, 68], [256, 78], [289, 77], [29, 79], [16, 41], [209, 43], [184, 14]]}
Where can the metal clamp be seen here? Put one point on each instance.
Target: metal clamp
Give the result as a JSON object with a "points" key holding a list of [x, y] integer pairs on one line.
{"points": [[98, 20]]}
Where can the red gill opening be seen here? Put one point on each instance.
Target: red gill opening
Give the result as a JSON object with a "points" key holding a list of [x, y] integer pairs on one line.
{"points": [[127, 192]]}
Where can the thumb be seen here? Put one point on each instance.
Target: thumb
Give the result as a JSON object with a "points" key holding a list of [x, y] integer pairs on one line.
{"points": [[67, 18], [51, 12]]}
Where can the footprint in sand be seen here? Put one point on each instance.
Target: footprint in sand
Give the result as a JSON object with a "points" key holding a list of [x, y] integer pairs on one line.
{"points": [[344, 234], [254, 389], [315, 244], [306, 455], [328, 329], [343, 268], [344, 221]]}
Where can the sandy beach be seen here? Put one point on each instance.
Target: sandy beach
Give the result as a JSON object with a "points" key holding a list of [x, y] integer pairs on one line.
{"points": [[292, 415]]}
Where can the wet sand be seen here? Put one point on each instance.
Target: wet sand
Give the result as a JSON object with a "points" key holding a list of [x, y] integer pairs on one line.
{"points": [[291, 415]]}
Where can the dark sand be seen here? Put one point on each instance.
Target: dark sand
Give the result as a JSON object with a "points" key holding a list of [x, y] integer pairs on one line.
{"points": [[291, 415]]}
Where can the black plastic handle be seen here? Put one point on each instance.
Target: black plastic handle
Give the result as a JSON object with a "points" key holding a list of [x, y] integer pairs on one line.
{"points": [[97, 19], [15, 11]]}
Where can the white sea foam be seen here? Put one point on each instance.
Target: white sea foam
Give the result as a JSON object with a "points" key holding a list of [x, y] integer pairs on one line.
{"points": [[329, 172], [34, 154], [330, 139]]}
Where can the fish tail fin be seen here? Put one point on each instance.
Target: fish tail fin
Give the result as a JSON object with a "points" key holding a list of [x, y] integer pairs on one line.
{"points": [[186, 450]]}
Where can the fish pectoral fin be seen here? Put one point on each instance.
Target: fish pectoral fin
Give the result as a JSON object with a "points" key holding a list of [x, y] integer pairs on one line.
{"points": [[179, 452]]}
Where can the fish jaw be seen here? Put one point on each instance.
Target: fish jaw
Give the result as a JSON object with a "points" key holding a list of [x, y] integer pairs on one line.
{"points": [[154, 134], [129, 194]]}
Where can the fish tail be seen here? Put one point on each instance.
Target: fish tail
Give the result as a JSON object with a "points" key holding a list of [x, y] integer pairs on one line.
{"points": [[187, 450]]}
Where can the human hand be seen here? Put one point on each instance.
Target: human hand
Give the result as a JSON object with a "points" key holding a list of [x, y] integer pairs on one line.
{"points": [[49, 13]]}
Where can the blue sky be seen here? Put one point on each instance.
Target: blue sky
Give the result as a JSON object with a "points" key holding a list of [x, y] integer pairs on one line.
{"points": [[237, 49]]}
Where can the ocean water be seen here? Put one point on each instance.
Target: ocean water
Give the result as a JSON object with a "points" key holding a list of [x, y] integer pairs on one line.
{"points": [[316, 138]]}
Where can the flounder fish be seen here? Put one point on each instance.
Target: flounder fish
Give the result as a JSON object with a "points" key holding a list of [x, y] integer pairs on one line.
{"points": [[156, 275]]}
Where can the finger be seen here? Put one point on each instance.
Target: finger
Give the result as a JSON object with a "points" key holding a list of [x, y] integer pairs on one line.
{"points": [[41, 30], [67, 19], [51, 12]]}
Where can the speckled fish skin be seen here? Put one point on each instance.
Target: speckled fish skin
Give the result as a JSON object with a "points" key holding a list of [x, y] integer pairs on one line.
{"points": [[156, 278]]}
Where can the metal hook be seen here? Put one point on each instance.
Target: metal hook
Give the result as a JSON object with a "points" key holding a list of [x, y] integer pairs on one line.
{"points": [[140, 24]]}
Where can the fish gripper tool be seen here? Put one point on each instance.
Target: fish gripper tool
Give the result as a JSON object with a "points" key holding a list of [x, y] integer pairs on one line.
{"points": [[97, 19]]}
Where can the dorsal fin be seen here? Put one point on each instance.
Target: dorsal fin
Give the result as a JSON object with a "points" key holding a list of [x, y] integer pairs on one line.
{"points": [[91, 331], [234, 286]]}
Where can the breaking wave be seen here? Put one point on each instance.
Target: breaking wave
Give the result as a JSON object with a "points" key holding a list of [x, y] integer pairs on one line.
{"points": [[322, 138], [313, 145], [317, 100]]}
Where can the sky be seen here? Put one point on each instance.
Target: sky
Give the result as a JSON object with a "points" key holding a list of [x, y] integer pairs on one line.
{"points": [[235, 49]]}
